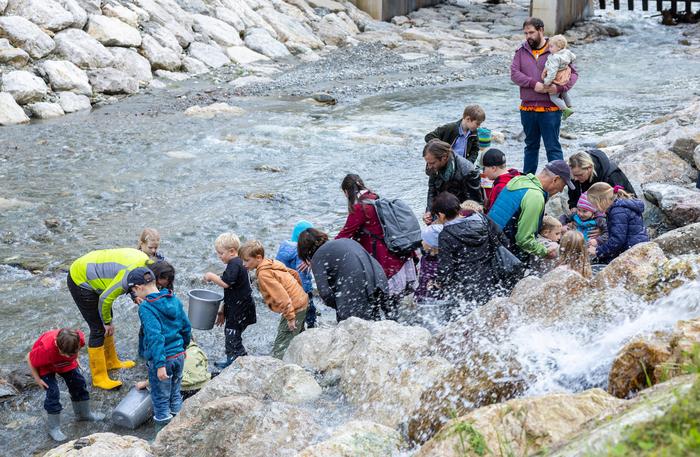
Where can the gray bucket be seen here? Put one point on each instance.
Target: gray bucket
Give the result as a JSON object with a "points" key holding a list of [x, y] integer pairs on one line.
{"points": [[204, 304], [134, 409]]}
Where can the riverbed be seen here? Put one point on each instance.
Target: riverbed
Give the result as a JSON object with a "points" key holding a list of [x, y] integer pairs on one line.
{"points": [[94, 180]]}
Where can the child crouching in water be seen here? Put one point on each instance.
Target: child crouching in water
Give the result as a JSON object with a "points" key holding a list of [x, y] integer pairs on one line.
{"points": [[586, 219], [550, 233], [167, 333], [557, 71], [624, 218], [281, 290], [573, 253], [56, 352]]}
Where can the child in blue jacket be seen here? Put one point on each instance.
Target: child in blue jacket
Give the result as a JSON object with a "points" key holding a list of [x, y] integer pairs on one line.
{"points": [[624, 217], [287, 254], [586, 219], [167, 333]]}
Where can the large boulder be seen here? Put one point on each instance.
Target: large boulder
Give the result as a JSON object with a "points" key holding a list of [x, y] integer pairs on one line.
{"points": [[260, 40], [112, 81], [66, 76], [10, 112], [103, 445], [12, 55], [334, 29], [686, 146], [217, 30], [81, 49], [243, 56], [357, 438], [522, 426], [634, 367], [71, 102], [230, 17], [656, 165], [289, 29], [635, 269], [683, 240], [165, 38], [213, 110], [681, 205], [77, 11], [122, 13], [212, 56], [160, 57], [47, 14], [25, 87], [132, 63], [25, 35], [112, 32], [7, 390], [45, 110], [330, 5]]}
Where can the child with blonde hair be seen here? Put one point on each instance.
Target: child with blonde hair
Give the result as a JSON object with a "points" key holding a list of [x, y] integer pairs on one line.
{"points": [[557, 71], [625, 222], [468, 207], [149, 242], [550, 233], [573, 253]]}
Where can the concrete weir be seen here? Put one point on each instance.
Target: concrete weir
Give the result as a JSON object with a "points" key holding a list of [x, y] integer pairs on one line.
{"points": [[559, 15], [384, 10]]}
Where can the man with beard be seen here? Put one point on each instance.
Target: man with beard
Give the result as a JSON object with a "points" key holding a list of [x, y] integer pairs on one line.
{"points": [[539, 116], [451, 173]]}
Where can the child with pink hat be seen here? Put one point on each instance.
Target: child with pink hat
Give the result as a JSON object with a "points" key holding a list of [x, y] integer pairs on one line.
{"points": [[585, 219]]}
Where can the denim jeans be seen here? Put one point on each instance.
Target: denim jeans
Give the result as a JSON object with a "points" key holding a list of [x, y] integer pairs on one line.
{"points": [[165, 395], [540, 125], [76, 386]]}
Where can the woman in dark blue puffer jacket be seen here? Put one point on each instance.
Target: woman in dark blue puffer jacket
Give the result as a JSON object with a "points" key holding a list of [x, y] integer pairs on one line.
{"points": [[624, 217]]}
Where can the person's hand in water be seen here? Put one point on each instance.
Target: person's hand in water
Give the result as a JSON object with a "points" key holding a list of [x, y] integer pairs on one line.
{"points": [[141, 385]]}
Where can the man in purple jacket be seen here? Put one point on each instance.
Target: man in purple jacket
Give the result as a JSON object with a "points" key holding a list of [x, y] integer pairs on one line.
{"points": [[540, 117]]}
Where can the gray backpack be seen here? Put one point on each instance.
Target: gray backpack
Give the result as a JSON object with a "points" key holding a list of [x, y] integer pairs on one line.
{"points": [[402, 234]]}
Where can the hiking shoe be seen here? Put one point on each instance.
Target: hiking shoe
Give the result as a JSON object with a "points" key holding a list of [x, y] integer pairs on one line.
{"points": [[567, 112]]}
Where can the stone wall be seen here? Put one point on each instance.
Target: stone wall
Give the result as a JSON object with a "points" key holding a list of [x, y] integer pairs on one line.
{"points": [[559, 15]]}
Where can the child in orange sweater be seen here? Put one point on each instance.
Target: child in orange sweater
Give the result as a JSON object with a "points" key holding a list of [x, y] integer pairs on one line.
{"points": [[281, 290]]}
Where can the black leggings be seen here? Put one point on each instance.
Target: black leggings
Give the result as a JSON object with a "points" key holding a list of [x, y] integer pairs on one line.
{"points": [[88, 302]]}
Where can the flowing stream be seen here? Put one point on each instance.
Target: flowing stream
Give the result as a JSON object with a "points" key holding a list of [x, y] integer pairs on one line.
{"points": [[106, 175]]}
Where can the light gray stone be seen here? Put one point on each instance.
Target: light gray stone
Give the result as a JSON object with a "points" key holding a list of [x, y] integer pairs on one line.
{"points": [[217, 30], [3, 5], [246, 80], [10, 112], [210, 55], [230, 17], [90, 6], [171, 75], [103, 445], [11, 55], [122, 13], [335, 30], [330, 5], [680, 204], [696, 157], [26, 35], [242, 55], [289, 29], [25, 87], [249, 17], [112, 81], [357, 438], [66, 76], [161, 58], [183, 34], [132, 63], [47, 14], [261, 41], [82, 49], [71, 102], [111, 31], [214, 110], [45, 110], [166, 38], [77, 11], [194, 66]]}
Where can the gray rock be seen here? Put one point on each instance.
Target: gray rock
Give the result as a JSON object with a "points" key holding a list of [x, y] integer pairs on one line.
{"points": [[122, 13], [132, 63], [259, 40], [290, 30], [90, 6], [25, 87], [112, 32], [11, 55], [161, 58], [10, 112], [45, 110], [680, 205], [71, 102], [683, 240], [696, 157], [325, 99], [685, 148], [7, 390], [250, 79], [242, 55], [359, 17], [217, 30], [230, 17], [357, 438], [335, 29], [77, 11], [214, 110], [112, 81], [103, 445], [210, 55], [3, 5], [165, 37], [23, 34], [47, 14], [66, 76], [171, 75], [82, 49], [330, 5], [194, 66]]}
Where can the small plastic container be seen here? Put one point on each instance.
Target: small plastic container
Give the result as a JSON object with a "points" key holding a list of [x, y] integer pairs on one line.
{"points": [[134, 409], [204, 304]]}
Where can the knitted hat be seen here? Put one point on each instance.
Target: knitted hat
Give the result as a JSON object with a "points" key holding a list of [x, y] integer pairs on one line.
{"points": [[298, 228], [484, 137], [584, 204]]}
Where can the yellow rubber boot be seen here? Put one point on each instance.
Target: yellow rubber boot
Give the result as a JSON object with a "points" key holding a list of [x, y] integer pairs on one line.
{"points": [[98, 368], [113, 362]]}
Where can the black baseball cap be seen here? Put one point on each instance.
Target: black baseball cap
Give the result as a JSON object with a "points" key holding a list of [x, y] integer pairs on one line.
{"points": [[561, 169], [493, 158], [140, 276]]}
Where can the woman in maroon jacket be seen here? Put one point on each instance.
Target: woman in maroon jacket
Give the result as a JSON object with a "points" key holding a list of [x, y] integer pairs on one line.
{"points": [[363, 226]]}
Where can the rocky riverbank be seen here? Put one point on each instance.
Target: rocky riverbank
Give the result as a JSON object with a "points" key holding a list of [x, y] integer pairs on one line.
{"points": [[63, 56]]}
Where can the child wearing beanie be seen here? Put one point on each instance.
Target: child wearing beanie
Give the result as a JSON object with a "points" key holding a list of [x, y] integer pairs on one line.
{"points": [[585, 219]]}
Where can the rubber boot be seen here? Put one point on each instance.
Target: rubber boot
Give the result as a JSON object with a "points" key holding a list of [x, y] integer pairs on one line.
{"points": [[83, 413], [53, 425], [113, 362], [98, 368], [158, 426]]}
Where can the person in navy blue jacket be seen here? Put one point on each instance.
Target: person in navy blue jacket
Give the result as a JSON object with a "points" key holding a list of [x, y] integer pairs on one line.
{"points": [[624, 216]]}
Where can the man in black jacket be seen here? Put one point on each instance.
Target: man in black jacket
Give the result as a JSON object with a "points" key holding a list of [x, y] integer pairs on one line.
{"points": [[449, 172], [590, 167], [462, 135]]}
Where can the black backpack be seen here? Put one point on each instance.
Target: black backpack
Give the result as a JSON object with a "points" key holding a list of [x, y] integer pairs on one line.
{"points": [[402, 234]]}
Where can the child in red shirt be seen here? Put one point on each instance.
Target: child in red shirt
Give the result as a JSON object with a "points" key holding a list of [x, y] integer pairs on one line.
{"points": [[56, 352]]}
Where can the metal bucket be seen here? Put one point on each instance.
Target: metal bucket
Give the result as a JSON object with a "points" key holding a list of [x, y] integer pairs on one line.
{"points": [[134, 409], [204, 304]]}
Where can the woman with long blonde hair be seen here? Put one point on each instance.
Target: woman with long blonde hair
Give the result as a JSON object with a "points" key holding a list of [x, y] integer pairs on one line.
{"points": [[573, 253]]}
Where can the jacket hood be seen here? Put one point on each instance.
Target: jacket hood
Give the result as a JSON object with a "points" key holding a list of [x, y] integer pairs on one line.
{"points": [[269, 264], [512, 173], [631, 204], [601, 163], [569, 55], [525, 182], [163, 303], [298, 228], [472, 231]]}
